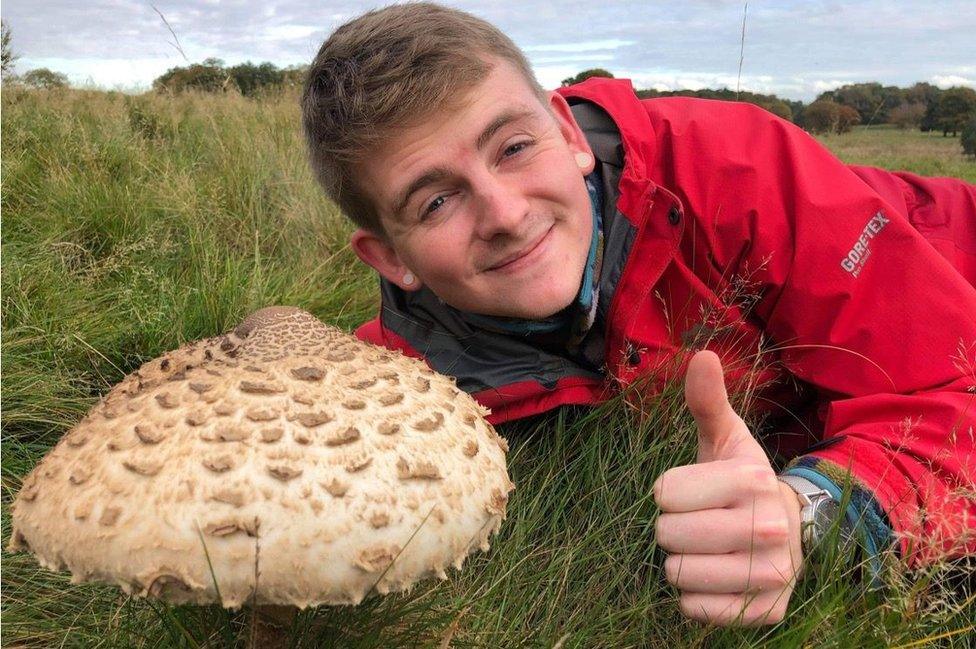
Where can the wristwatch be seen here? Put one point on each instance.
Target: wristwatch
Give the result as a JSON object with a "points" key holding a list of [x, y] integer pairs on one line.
{"points": [[818, 514]]}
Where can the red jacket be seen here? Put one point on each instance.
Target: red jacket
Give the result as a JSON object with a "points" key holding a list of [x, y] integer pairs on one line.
{"points": [[751, 239]]}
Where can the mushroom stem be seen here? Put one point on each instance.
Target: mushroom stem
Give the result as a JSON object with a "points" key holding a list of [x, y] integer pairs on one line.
{"points": [[271, 626]]}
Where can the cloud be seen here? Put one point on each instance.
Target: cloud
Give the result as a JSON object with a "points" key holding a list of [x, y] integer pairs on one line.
{"points": [[585, 46], [795, 49], [947, 81]]}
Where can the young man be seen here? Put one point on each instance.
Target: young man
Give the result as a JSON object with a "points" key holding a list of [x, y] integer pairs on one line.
{"points": [[554, 248]]}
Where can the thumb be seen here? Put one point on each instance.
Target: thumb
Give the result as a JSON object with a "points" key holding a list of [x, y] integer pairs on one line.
{"points": [[722, 435]]}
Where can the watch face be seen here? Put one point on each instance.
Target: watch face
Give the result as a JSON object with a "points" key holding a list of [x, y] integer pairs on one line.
{"points": [[826, 514]]}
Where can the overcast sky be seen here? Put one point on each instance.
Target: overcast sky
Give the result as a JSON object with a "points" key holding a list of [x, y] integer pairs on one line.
{"points": [[794, 49]]}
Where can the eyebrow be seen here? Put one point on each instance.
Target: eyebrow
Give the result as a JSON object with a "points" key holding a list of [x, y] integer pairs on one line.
{"points": [[438, 174], [496, 124]]}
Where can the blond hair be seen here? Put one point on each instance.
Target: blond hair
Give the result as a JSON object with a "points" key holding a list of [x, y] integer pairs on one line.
{"points": [[388, 69]]}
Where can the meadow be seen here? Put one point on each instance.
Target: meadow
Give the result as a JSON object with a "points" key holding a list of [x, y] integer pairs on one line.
{"points": [[131, 225]]}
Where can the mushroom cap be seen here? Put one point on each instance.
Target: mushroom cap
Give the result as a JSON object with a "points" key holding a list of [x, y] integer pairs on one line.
{"points": [[285, 462]]}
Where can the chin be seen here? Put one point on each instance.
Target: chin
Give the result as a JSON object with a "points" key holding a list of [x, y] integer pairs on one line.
{"points": [[540, 307]]}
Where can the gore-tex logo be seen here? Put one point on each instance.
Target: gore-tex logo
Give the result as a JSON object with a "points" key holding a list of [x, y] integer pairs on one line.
{"points": [[854, 262]]}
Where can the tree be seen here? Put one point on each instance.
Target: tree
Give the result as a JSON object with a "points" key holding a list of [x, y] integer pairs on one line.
{"points": [[847, 117], [954, 108], [44, 78], [922, 93], [907, 115], [777, 107], [8, 54], [208, 76], [968, 137], [249, 77], [821, 116], [586, 74]]}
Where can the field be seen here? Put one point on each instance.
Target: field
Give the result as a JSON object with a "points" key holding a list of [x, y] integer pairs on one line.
{"points": [[134, 224]]}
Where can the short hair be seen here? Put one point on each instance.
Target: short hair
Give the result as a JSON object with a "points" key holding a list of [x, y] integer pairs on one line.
{"points": [[388, 69]]}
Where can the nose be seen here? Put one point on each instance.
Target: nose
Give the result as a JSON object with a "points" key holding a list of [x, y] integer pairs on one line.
{"points": [[503, 207]]}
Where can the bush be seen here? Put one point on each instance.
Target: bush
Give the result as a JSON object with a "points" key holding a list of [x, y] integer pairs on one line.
{"points": [[847, 117], [968, 137], [907, 115], [44, 78], [586, 74]]}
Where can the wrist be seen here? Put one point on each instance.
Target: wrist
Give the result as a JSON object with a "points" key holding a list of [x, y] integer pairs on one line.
{"points": [[794, 507]]}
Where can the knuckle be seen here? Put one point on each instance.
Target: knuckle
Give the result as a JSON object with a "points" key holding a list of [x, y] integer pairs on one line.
{"points": [[772, 532], [691, 607], [672, 568], [662, 531], [756, 478]]}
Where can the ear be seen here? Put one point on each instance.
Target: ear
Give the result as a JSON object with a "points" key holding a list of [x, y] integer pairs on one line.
{"points": [[570, 130], [377, 252]]}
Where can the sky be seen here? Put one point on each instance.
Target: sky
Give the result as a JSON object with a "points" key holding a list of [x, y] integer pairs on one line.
{"points": [[793, 49]]}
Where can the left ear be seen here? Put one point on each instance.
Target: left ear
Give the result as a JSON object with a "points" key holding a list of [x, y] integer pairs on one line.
{"points": [[376, 251], [570, 130]]}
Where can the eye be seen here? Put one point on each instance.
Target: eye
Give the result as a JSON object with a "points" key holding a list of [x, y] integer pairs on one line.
{"points": [[515, 149], [433, 206]]}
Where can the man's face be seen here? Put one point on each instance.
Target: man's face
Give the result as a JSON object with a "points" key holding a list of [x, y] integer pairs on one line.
{"points": [[485, 203]]}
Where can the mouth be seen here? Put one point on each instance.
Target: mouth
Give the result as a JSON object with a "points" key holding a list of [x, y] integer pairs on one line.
{"points": [[522, 257]]}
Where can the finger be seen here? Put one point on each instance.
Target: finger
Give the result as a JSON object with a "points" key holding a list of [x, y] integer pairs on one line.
{"points": [[740, 572], [713, 485], [707, 397], [735, 610], [721, 432], [720, 531]]}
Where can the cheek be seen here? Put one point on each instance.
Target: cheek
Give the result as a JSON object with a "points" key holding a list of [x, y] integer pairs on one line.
{"points": [[440, 255]]}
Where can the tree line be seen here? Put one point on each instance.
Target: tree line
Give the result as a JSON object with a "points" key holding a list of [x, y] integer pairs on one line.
{"points": [[922, 105]]}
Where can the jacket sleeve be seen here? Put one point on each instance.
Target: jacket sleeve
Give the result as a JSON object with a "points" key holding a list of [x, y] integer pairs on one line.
{"points": [[860, 306]]}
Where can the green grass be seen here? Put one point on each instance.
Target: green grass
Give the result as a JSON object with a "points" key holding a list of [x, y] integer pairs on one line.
{"points": [[928, 154], [132, 225]]}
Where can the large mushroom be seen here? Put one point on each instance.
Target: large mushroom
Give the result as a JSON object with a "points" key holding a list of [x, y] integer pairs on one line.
{"points": [[283, 463]]}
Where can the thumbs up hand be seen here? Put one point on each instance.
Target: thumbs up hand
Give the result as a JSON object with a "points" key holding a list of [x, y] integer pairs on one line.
{"points": [[731, 529]]}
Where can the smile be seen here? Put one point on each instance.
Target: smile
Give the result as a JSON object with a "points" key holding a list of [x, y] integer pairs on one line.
{"points": [[524, 257]]}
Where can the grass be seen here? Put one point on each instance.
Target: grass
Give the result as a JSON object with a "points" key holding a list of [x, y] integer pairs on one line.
{"points": [[134, 224], [927, 154]]}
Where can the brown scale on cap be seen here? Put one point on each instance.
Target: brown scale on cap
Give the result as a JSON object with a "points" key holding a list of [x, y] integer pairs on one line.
{"points": [[197, 418], [79, 475], [219, 463], [308, 373], [110, 516], [142, 466], [284, 472], [224, 409], [338, 448], [388, 428], [248, 526], [77, 441], [260, 387], [358, 462], [261, 414], [232, 433], [167, 400], [363, 383], [229, 496], [414, 468], [391, 398], [313, 419], [344, 436], [336, 487], [430, 424]]}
